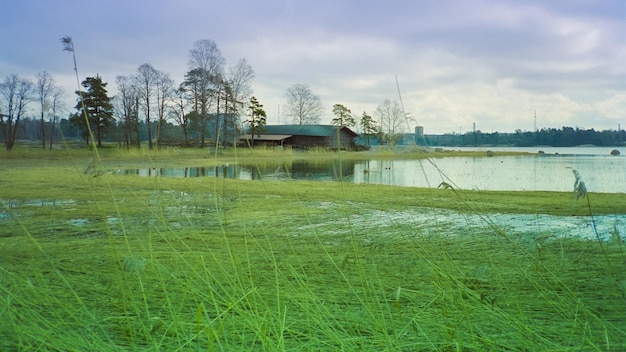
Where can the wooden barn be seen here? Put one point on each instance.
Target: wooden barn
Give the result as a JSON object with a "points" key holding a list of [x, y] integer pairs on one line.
{"points": [[303, 136]]}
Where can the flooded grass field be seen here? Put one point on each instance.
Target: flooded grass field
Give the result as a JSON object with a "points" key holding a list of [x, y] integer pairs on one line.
{"points": [[94, 260]]}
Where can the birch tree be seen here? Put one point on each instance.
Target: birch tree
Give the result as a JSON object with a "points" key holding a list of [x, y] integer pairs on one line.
{"points": [[57, 105], [391, 117], [179, 112], [164, 95], [146, 79], [45, 88], [238, 89]]}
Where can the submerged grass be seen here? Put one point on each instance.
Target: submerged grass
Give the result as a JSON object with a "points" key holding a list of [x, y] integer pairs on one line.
{"points": [[95, 261]]}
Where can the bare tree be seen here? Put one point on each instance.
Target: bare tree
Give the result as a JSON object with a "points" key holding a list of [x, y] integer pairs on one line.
{"points": [[127, 106], [146, 78], [178, 113], [222, 93], [238, 90], [164, 94], [207, 56], [45, 87], [57, 104], [303, 106], [391, 117], [204, 79], [15, 94]]}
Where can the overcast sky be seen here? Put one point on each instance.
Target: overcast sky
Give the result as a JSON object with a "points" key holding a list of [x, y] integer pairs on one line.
{"points": [[458, 62]]}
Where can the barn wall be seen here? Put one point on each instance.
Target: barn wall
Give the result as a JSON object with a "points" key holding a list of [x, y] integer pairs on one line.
{"points": [[307, 141], [347, 141]]}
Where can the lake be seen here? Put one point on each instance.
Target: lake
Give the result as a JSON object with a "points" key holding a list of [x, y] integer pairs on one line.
{"points": [[551, 171]]}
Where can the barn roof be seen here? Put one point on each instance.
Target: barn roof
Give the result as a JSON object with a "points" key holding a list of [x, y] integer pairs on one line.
{"points": [[304, 130], [266, 137]]}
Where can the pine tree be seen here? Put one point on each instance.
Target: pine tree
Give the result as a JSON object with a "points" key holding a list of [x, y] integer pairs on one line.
{"points": [[95, 111], [257, 117], [368, 126], [344, 116]]}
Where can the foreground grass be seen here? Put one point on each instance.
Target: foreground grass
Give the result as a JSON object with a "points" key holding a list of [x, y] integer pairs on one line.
{"points": [[104, 262]]}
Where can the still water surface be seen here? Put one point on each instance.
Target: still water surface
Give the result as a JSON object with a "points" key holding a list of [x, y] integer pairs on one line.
{"points": [[551, 171]]}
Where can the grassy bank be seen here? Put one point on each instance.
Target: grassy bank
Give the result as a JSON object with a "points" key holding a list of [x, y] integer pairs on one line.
{"points": [[111, 155], [96, 261]]}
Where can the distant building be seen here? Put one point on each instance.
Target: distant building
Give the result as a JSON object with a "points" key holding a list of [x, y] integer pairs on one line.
{"points": [[303, 136], [419, 135]]}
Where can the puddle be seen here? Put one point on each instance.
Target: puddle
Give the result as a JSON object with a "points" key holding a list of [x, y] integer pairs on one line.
{"points": [[78, 222], [38, 203], [424, 220], [13, 205], [441, 221]]}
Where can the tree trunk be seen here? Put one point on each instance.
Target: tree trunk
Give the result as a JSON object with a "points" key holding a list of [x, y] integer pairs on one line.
{"points": [[12, 135], [149, 133], [217, 121], [185, 134], [136, 122], [127, 134], [43, 133], [225, 124], [52, 131], [138, 136], [99, 135]]}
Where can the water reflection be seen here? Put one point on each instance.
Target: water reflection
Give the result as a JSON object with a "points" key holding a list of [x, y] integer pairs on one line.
{"points": [[228, 171], [298, 169], [518, 173], [601, 173]]}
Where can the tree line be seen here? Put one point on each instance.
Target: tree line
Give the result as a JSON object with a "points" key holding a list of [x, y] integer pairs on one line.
{"points": [[213, 103], [209, 103], [561, 137]]}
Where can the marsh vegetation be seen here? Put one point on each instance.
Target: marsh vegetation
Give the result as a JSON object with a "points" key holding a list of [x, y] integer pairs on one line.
{"points": [[91, 260]]}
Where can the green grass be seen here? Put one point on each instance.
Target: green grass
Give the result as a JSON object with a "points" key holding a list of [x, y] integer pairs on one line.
{"points": [[122, 263]]}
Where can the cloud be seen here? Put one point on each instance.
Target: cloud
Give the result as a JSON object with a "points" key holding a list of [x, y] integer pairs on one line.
{"points": [[613, 108], [457, 62]]}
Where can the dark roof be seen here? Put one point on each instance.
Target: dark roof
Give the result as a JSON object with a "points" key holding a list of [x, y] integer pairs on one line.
{"points": [[304, 130], [266, 137]]}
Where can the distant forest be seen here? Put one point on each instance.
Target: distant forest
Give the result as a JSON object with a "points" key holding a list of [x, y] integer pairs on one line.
{"points": [[563, 137], [29, 129]]}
